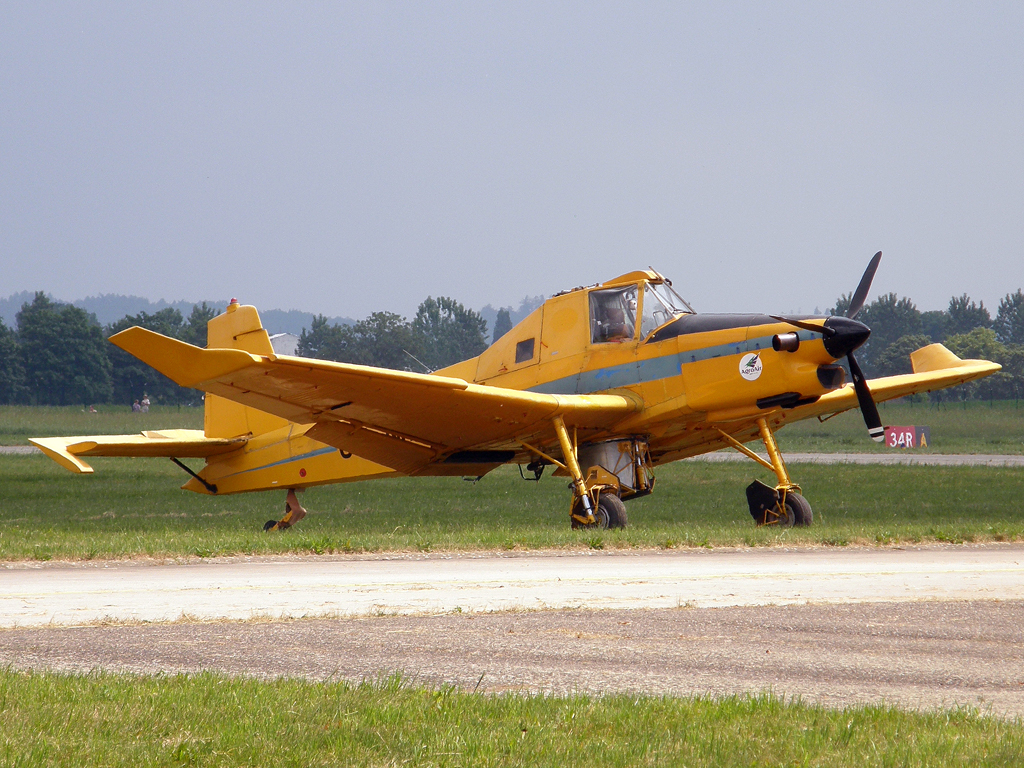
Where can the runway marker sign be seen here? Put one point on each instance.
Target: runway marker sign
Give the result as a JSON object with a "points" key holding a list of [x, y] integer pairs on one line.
{"points": [[907, 437]]}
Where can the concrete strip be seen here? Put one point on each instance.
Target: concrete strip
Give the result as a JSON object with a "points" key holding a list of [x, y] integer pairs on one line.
{"points": [[60, 594]]}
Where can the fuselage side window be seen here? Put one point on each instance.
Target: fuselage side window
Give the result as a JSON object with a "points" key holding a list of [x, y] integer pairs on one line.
{"points": [[524, 350], [613, 314]]}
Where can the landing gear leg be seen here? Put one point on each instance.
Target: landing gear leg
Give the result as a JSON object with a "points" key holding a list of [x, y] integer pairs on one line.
{"points": [[595, 498], [583, 505], [782, 505], [293, 512], [791, 508]]}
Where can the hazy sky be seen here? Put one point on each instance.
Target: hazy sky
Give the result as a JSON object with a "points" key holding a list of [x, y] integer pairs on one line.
{"points": [[347, 158]]}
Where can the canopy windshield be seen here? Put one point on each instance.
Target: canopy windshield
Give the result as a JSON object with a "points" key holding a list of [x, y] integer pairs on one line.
{"points": [[661, 304]]}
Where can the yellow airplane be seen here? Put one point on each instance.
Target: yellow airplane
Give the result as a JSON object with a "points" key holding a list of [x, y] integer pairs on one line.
{"points": [[604, 383]]}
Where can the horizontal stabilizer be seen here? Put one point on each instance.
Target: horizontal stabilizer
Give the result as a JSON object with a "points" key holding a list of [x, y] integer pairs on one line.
{"points": [[168, 443], [183, 363]]}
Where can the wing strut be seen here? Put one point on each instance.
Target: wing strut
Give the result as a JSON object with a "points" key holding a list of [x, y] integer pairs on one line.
{"points": [[744, 450], [208, 486], [579, 484]]}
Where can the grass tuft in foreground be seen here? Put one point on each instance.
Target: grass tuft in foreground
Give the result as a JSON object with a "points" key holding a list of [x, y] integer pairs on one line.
{"points": [[211, 720]]}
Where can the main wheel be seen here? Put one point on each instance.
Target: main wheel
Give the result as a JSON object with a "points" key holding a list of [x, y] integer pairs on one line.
{"points": [[799, 509], [610, 513], [781, 516]]}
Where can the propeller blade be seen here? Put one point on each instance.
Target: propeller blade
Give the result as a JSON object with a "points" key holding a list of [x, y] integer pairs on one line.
{"points": [[819, 328], [867, 405], [865, 285]]}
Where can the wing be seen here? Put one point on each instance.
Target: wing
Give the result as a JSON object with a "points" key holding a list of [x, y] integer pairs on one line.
{"points": [[406, 421], [172, 443], [935, 367]]}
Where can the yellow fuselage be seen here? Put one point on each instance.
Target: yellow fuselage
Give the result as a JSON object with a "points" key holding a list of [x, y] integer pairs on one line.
{"points": [[688, 372]]}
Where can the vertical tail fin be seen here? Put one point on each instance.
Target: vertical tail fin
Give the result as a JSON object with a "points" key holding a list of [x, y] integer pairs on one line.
{"points": [[239, 327]]}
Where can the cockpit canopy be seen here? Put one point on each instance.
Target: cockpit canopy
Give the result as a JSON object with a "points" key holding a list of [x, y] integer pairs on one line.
{"points": [[614, 311]]}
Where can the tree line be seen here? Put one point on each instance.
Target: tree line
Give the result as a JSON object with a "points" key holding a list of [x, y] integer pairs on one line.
{"points": [[443, 332], [57, 354], [965, 327]]}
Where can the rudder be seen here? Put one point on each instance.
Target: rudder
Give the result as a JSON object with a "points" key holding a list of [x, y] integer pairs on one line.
{"points": [[238, 327]]}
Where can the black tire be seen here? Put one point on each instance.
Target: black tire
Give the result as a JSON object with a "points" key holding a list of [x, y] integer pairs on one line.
{"points": [[799, 509], [610, 513]]}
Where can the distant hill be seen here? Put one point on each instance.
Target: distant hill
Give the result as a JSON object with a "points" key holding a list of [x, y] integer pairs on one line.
{"points": [[109, 307], [294, 321], [10, 306]]}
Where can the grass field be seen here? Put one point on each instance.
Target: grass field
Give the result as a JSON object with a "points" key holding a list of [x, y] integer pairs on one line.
{"points": [[975, 427], [971, 427], [133, 507], [209, 720], [19, 422]]}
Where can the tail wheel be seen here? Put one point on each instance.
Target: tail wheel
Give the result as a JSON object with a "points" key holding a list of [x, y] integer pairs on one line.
{"points": [[610, 513]]}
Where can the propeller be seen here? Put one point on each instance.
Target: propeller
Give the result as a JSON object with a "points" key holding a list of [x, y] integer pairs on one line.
{"points": [[865, 285], [867, 405], [841, 335], [860, 385]]}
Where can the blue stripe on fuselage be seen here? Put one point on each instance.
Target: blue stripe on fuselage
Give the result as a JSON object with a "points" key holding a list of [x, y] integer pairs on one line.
{"points": [[310, 455], [653, 369]]}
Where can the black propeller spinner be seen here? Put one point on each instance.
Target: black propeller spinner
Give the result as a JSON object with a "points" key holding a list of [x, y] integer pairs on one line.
{"points": [[841, 335]]}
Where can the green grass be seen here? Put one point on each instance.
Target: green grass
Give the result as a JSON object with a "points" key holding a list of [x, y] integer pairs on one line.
{"points": [[133, 508], [974, 427], [971, 427], [19, 422], [211, 720]]}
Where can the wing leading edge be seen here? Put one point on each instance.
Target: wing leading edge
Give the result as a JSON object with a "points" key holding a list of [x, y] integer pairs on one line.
{"points": [[403, 420], [935, 367]]}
